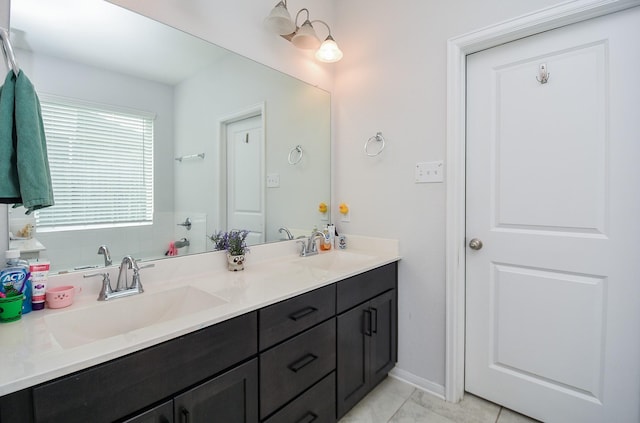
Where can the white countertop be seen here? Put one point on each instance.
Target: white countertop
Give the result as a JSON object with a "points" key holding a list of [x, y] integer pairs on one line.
{"points": [[31, 354]]}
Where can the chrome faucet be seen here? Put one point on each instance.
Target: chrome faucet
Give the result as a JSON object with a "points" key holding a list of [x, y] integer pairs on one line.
{"points": [[311, 247], [128, 262], [284, 229], [122, 288], [104, 250]]}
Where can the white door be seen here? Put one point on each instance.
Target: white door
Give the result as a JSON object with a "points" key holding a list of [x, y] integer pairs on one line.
{"points": [[553, 193], [245, 178]]}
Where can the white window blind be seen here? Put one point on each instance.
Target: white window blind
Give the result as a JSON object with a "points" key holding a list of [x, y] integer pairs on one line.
{"points": [[101, 164]]}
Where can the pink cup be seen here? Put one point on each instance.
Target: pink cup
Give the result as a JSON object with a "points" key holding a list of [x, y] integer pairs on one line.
{"points": [[61, 296]]}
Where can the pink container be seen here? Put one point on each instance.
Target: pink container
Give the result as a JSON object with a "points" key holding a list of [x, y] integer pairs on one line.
{"points": [[61, 296]]}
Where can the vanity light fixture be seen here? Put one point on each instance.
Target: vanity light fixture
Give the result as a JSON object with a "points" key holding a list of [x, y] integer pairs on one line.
{"points": [[303, 36]]}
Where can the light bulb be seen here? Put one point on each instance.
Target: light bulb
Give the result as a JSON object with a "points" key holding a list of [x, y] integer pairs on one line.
{"points": [[329, 52]]}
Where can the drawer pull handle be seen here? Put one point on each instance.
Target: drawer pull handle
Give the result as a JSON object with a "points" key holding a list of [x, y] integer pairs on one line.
{"points": [[186, 417], [303, 362], [367, 322], [302, 313], [374, 319], [308, 418]]}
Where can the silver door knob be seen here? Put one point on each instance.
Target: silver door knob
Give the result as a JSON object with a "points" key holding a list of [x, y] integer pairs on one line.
{"points": [[475, 244]]}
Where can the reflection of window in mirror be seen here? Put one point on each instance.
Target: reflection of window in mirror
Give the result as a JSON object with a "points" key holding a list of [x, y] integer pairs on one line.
{"points": [[101, 162]]}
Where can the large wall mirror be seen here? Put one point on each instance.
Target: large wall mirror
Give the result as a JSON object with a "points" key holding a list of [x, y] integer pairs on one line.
{"points": [[236, 145]]}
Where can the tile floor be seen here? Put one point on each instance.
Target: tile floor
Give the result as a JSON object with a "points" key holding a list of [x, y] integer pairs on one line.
{"points": [[394, 401]]}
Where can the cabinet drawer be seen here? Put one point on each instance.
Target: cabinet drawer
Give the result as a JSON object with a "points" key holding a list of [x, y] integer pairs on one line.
{"points": [[363, 287], [290, 317], [317, 405], [112, 390], [295, 365]]}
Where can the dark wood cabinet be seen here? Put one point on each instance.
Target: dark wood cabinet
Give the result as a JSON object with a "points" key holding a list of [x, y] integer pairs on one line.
{"points": [[287, 362], [366, 341], [121, 387], [231, 398]]}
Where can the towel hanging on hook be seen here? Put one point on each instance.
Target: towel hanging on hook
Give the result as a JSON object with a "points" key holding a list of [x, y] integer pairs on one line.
{"points": [[7, 49]]}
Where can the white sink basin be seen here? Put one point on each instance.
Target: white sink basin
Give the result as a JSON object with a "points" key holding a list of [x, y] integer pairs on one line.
{"points": [[335, 260], [119, 316]]}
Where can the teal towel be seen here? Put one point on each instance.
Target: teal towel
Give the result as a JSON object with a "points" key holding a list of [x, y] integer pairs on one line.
{"points": [[28, 146], [33, 163], [9, 185]]}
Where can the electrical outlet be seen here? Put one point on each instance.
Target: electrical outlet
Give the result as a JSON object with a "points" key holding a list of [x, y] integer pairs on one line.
{"points": [[429, 172], [345, 217]]}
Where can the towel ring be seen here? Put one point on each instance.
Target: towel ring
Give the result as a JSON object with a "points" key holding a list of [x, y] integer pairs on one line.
{"points": [[7, 49], [378, 138], [292, 160]]}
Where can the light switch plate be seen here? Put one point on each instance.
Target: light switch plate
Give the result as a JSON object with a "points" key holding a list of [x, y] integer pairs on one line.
{"points": [[429, 172], [273, 180]]}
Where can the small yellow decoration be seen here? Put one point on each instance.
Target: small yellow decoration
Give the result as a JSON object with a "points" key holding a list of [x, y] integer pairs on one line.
{"points": [[344, 209], [322, 207]]}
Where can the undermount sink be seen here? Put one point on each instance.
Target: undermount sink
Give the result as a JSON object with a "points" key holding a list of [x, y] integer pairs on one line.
{"points": [[73, 328], [335, 260]]}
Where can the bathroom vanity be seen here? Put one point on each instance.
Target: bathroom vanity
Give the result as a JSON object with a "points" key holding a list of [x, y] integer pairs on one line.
{"points": [[297, 340]]}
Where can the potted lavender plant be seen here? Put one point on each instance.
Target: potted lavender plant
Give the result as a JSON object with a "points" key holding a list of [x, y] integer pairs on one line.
{"points": [[234, 242]]}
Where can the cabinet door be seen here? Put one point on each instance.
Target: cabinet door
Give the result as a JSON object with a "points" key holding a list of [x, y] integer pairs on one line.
{"points": [[367, 348], [383, 335], [353, 329], [231, 398], [160, 414]]}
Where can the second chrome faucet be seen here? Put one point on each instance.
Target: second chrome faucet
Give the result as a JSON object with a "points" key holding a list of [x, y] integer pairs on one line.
{"points": [[311, 247]]}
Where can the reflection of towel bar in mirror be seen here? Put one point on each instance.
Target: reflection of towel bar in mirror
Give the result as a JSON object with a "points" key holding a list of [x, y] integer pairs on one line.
{"points": [[292, 159], [190, 157]]}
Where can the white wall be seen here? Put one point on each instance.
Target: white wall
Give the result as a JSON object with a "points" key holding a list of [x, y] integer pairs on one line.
{"points": [[237, 26], [393, 79]]}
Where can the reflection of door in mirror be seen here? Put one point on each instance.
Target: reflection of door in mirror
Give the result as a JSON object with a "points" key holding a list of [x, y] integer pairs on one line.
{"points": [[245, 176]]}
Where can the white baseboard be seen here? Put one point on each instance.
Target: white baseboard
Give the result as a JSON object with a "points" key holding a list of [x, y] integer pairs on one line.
{"points": [[420, 383]]}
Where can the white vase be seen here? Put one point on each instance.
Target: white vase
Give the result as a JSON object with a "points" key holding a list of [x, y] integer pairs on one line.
{"points": [[235, 263]]}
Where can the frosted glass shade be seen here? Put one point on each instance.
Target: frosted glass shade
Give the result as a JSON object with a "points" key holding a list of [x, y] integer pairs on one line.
{"points": [[329, 52], [279, 21], [306, 37]]}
